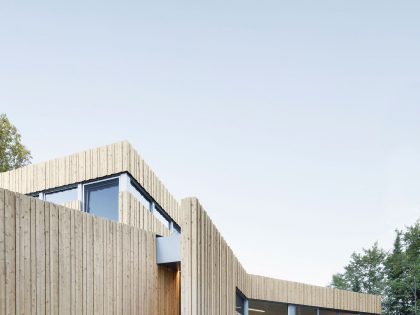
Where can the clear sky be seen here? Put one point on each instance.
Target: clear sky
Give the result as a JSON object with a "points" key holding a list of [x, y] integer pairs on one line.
{"points": [[296, 124]]}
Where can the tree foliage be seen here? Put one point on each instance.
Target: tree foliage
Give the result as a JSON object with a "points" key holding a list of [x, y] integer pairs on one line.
{"points": [[365, 272], [395, 275], [13, 154]]}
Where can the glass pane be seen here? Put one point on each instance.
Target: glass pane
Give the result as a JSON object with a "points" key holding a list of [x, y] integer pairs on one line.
{"points": [[176, 228], [139, 196], [63, 196], [161, 218], [327, 312], [240, 303], [267, 308], [102, 199], [306, 310]]}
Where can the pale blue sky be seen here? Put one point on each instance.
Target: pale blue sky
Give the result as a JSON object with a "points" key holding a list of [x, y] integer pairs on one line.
{"points": [[296, 124]]}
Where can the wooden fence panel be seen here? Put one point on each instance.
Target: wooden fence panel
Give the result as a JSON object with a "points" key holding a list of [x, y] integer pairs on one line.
{"points": [[56, 260]]}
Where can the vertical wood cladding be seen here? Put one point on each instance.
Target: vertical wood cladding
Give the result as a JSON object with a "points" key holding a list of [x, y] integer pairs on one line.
{"points": [[211, 273], [133, 213], [90, 164], [55, 260]]}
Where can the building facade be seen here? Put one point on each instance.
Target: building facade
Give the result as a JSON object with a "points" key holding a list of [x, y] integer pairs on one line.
{"points": [[97, 232]]}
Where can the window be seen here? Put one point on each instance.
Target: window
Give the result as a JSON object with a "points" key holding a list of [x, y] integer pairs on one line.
{"points": [[176, 228], [306, 310], [101, 199], [240, 303], [260, 307], [158, 213], [143, 197], [139, 195], [62, 196], [327, 312]]}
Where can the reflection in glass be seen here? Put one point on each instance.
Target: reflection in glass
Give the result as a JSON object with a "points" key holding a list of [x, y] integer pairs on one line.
{"points": [[62, 196], [101, 199], [327, 312], [240, 303], [139, 196], [176, 229], [161, 218], [306, 310], [267, 308]]}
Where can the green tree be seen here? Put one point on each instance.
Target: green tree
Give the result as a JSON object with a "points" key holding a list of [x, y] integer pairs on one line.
{"points": [[411, 241], [365, 272], [396, 299], [394, 275], [13, 153], [403, 273]]}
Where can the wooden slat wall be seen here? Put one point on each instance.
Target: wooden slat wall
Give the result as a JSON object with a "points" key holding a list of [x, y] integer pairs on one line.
{"points": [[55, 260], [263, 288], [75, 204], [211, 273], [90, 164], [133, 213]]}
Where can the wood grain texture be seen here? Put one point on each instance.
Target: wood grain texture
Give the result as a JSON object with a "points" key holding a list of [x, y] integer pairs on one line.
{"points": [[88, 264], [56, 260], [133, 213], [211, 273], [87, 165], [75, 204]]}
